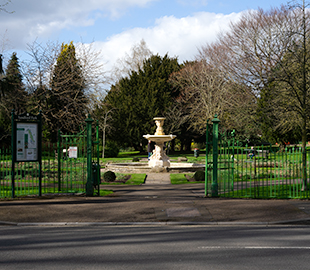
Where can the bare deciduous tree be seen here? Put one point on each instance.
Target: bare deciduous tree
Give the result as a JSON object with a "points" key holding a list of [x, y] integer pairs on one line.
{"points": [[2, 7], [270, 49], [131, 62], [39, 71], [206, 90]]}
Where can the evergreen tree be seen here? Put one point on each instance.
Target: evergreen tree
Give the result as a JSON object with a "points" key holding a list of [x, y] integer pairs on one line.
{"points": [[1, 78], [137, 99], [13, 95], [66, 99]]}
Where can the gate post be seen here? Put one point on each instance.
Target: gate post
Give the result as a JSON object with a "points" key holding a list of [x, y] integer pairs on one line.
{"points": [[233, 160], [59, 156], [89, 184], [208, 149], [214, 186], [13, 143]]}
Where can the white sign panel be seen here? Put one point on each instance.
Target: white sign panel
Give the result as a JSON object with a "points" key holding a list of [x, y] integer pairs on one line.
{"points": [[26, 141], [73, 150]]}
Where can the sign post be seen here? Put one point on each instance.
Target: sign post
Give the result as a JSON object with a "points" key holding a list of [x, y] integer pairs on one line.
{"points": [[26, 143]]}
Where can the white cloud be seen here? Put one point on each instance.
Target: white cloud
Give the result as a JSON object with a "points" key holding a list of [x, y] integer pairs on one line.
{"points": [[40, 18], [180, 37], [46, 19]]}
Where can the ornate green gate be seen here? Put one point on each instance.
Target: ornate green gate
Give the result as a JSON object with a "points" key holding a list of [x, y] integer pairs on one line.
{"points": [[78, 161], [219, 171]]}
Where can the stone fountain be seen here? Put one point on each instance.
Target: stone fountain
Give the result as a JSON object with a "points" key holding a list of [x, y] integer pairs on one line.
{"points": [[159, 158], [159, 161]]}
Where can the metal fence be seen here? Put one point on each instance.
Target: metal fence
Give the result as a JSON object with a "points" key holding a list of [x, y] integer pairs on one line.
{"points": [[70, 179], [270, 173], [253, 172], [69, 166]]}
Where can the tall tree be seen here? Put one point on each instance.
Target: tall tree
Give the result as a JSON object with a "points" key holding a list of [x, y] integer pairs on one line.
{"points": [[269, 49], [137, 99], [1, 77], [206, 90], [132, 61], [13, 94], [66, 100]]}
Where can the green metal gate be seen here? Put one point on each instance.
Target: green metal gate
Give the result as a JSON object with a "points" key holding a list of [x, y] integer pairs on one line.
{"points": [[252, 172], [72, 162], [78, 161], [219, 160]]}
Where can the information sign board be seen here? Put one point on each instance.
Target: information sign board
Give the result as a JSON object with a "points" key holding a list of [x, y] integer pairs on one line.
{"points": [[26, 141]]}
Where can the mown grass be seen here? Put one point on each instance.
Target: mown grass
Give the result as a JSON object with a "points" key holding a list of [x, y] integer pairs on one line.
{"points": [[6, 192], [179, 178], [265, 192], [135, 179]]}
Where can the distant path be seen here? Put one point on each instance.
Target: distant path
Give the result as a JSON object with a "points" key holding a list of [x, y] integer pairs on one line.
{"points": [[157, 179]]}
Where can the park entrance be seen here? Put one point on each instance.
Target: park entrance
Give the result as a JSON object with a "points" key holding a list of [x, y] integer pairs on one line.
{"points": [[31, 167], [78, 160]]}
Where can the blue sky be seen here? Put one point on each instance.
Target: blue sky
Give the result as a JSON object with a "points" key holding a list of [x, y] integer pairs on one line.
{"points": [[176, 27]]}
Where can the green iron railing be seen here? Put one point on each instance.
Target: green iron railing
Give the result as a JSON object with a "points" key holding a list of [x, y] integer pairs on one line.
{"points": [[60, 171], [232, 171], [26, 180]]}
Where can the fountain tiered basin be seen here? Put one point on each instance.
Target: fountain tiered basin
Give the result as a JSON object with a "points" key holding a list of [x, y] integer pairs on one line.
{"points": [[159, 157], [158, 161]]}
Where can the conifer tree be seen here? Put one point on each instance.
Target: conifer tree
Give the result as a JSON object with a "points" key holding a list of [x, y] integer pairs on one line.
{"points": [[137, 99], [67, 101], [13, 94]]}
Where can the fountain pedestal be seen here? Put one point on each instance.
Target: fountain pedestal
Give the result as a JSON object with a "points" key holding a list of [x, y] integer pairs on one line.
{"points": [[159, 157]]}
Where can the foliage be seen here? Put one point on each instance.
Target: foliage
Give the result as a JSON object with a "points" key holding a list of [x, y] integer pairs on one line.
{"points": [[268, 52], [12, 96], [66, 99], [111, 149], [199, 175], [137, 99], [109, 176], [131, 62]]}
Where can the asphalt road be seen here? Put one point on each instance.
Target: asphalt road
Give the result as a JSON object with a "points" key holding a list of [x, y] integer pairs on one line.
{"points": [[155, 247]]}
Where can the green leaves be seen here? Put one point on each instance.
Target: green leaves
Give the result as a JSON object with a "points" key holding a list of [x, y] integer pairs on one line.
{"points": [[138, 99]]}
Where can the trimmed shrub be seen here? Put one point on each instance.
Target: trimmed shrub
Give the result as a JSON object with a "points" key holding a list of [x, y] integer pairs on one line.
{"points": [[135, 159], [109, 176], [199, 176]]}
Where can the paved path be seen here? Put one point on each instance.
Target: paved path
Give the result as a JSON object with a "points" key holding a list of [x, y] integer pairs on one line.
{"points": [[157, 179], [156, 201]]}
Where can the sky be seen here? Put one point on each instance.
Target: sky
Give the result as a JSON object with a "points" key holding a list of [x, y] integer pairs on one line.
{"points": [[176, 27]]}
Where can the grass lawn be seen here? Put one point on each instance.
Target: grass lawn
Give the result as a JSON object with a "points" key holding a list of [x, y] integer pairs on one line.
{"points": [[105, 192], [265, 192], [179, 178], [135, 179]]}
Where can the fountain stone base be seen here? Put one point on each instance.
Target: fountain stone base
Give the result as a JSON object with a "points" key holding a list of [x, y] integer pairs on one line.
{"points": [[159, 157]]}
